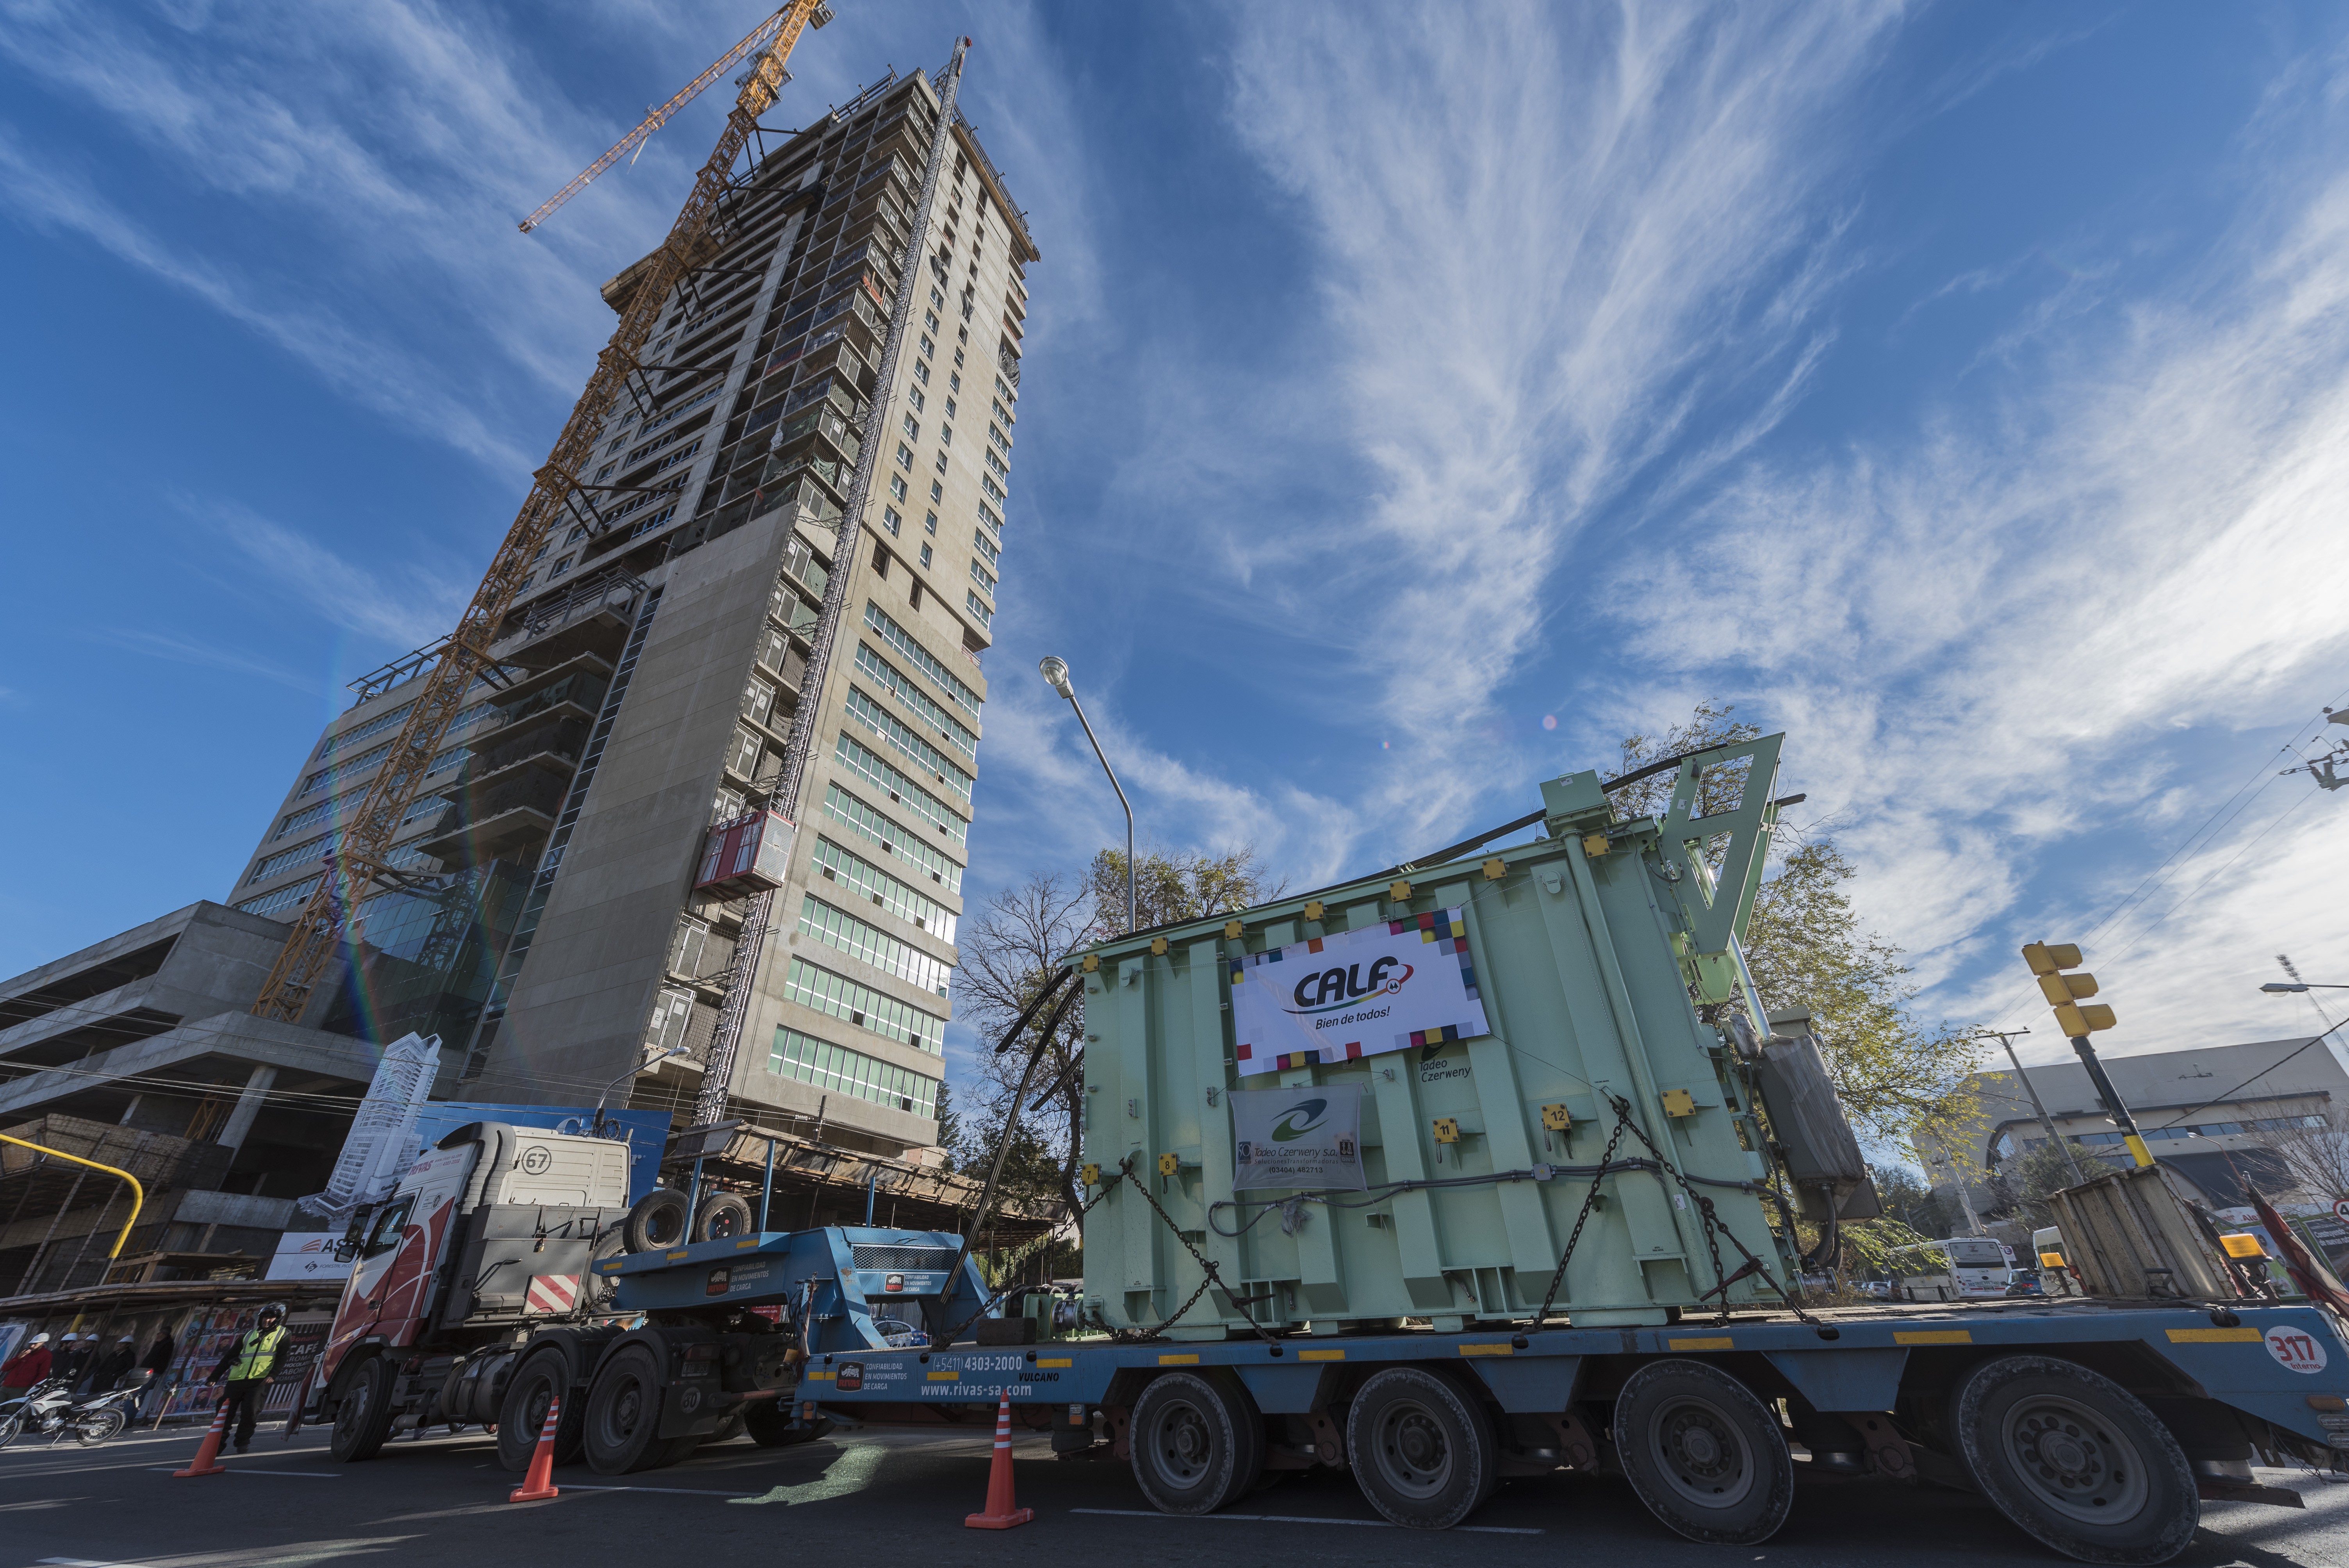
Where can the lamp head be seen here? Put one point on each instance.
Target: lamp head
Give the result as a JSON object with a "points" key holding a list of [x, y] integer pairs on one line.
{"points": [[1056, 674], [2279, 986]]}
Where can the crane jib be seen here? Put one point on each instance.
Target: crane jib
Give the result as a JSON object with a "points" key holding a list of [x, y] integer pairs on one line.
{"points": [[328, 919]]}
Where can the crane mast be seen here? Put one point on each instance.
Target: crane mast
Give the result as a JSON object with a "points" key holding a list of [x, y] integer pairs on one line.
{"points": [[328, 919]]}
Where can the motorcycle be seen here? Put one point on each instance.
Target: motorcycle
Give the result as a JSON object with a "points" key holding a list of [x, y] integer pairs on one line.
{"points": [[50, 1409]]}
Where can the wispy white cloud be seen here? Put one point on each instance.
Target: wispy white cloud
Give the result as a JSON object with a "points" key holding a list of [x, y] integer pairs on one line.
{"points": [[181, 650], [406, 608], [2031, 623], [1549, 246]]}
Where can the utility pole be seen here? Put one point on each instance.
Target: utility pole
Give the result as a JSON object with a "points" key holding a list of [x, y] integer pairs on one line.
{"points": [[2007, 1039]]}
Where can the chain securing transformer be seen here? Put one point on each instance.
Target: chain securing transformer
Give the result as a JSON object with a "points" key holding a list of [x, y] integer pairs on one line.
{"points": [[1566, 1085]]}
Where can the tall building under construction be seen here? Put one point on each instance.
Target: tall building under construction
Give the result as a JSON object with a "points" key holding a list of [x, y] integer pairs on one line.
{"points": [[552, 926]]}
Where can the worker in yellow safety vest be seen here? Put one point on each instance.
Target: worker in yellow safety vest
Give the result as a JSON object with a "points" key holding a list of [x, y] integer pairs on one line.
{"points": [[246, 1370]]}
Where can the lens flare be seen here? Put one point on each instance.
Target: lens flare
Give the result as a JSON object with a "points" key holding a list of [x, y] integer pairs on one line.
{"points": [[1550, 721]]}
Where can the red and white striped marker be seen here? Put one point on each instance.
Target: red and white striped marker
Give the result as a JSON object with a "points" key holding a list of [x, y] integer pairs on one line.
{"points": [[554, 1293]]}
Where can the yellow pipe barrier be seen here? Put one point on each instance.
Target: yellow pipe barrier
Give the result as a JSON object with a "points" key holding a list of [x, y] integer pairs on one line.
{"points": [[138, 1193]]}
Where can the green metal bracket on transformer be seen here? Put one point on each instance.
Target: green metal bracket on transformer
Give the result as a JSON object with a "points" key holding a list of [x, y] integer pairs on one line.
{"points": [[1714, 903]]}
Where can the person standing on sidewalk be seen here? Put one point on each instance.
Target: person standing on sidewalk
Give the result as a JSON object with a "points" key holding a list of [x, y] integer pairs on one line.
{"points": [[113, 1366], [26, 1367], [158, 1362], [246, 1370]]}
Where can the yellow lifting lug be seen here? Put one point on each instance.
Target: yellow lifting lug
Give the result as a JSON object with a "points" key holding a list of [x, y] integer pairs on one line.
{"points": [[1090, 1175], [1557, 1119], [1158, 946], [1447, 1130], [1679, 1103], [1232, 930], [1168, 1164], [1092, 962], [1400, 891], [1315, 909], [1495, 868], [1594, 845]]}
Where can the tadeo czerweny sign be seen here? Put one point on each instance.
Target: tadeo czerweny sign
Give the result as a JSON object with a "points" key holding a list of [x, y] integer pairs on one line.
{"points": [[1387, 987]]}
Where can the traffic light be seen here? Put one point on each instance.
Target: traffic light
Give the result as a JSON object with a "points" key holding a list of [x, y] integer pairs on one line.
{"points": [[2063, 992]]}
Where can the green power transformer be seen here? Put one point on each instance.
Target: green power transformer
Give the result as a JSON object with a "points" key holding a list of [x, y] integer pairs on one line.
{"points": [[1390, 1100]]}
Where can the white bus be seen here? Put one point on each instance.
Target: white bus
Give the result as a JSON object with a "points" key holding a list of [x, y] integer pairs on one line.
{"points": [[1957, 1268]]}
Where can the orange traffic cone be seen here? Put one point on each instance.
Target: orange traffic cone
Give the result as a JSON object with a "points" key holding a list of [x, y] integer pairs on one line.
{"points": [[538, 1485], [1003, 1512], [207, 1460]]}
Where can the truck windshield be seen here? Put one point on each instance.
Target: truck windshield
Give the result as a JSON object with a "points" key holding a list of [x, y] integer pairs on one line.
{"points": [[385, 1235]]}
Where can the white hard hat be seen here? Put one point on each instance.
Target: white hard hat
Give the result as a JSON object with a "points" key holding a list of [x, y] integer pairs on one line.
{"points": [[38, 1339]]}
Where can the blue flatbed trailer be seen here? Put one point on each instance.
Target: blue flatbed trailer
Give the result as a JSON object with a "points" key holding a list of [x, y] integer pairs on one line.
{"points": [[2097, 1427]]}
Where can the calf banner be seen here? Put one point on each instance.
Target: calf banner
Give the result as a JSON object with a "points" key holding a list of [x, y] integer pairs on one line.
{"points": [[1387, 987], [1310, 1136]]}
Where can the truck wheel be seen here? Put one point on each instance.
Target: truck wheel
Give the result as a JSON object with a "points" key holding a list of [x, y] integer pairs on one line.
{"points": [[770, 1425], [1708, 1457], [363, 1419], [1197, 1446], [541, 1379], [624, 1415], [658, 1220], [723, 1217], [1422, 1451], [2076, 1461]]}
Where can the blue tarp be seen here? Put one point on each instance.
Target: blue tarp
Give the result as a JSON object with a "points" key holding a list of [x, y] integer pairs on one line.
{"points": [[645, 1132]]}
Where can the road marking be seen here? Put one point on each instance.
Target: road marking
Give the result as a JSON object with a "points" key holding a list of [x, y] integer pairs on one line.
{"points": [[671, 1490], [1301, 1518], [240, 1470]]}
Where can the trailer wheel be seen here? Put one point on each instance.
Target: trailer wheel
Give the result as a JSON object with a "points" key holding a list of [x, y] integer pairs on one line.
{"points": [[1707, 1456], [536, 1384], [624, 1415], [2076, 1461], [722, 1217], [363, 1419], [1422, 1451], [658, 1220], [1197, 1445]]}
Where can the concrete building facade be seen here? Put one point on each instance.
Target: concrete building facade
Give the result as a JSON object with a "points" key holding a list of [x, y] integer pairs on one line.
{"points": [[649, 674], [142, 1052], [2208, 1113]]}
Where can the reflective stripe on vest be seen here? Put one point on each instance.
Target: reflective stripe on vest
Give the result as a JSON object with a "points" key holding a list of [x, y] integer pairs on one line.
{"points": [[260, 1350]]}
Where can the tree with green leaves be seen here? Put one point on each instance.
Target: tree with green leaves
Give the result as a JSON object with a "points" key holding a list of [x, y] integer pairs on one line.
{"points": [[1809, 952], [1169, 888]]}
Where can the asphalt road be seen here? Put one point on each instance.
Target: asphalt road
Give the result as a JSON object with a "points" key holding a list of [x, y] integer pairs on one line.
{"points": [[901, 1497]]}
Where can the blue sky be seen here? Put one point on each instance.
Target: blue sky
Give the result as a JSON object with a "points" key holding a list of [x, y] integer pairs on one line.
{"points": [[1961, 388]]}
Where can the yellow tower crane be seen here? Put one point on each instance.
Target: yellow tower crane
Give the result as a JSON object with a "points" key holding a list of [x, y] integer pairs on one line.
{"points": [[328, 919]]}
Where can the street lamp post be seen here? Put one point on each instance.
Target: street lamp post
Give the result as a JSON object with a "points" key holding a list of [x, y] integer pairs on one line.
{"points": [[1055, 671], [596, 1128]]}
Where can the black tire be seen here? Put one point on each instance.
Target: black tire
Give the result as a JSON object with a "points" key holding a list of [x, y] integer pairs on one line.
{"points": [[722, 1217], [624, 1415], [1197, 1445], [97, 1426], [769, 1422], [658, 1220], [2074, 1461], [545, 1377], [363, 1419], [1421, 1450], [12, 1426], [1707, 1456]]}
